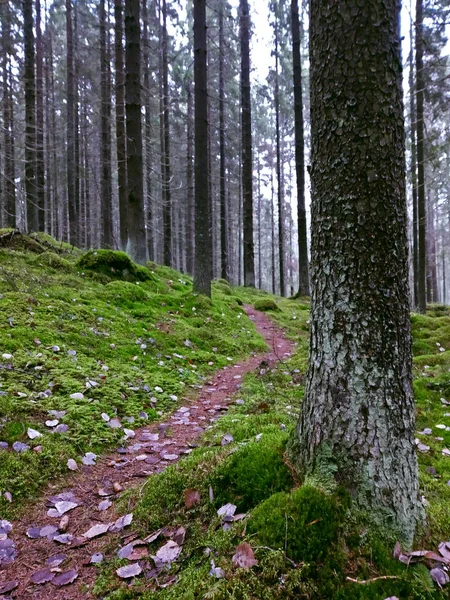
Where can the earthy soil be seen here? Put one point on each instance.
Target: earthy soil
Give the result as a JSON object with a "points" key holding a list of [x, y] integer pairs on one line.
{"points": [[143, 458]]}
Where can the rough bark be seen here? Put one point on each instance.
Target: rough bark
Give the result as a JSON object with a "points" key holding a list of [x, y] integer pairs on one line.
{"points": [[223, 224], [40, 161], [356, 426], [422, 223], [30, 117], [136, 242], [247, 162], [303, 266], [70, 128], [190, 225], [120, 120], [105, 134], [413, 169], [166, 182], [203, 238], [281, 244], [147, 129]]}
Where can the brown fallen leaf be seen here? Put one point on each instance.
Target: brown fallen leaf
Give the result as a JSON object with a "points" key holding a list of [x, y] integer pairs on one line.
{"points": [[64, 524], [244, 557], [191, 498]]}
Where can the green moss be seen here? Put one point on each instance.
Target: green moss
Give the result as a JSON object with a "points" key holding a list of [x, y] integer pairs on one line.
{"points": [[265, 304], [54, 261], [254, 473], [125, 293], [113, 264], [223, 288], [305, 523]]}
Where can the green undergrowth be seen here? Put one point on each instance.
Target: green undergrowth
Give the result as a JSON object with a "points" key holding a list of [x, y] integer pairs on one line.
{"points": [[308, 544], [133, 340]]}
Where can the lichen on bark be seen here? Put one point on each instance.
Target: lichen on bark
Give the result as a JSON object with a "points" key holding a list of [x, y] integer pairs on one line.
{"points": [[357, 417]]}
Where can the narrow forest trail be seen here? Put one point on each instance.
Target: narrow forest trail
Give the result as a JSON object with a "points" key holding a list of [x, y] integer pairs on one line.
{"points": [[151, 450]]}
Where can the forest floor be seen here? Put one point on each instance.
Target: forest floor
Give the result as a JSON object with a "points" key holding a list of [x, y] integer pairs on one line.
{"points": [[176, 415]]}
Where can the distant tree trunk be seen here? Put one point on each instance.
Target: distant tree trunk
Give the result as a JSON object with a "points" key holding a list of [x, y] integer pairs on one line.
{"points": [[9, 187], [247, 162], [148, 130], [223, 224], [40, 159], [272, 221], [49, 175], [356, 427], [136, 242], [120, 122], [70, 107], [190, 225], [413, 170], [76, 119], [281, 244], [432, 286], [105, 118], [303, 267], [203, 239], [422, 305], [167, 204], [30, 117], [259, 227]]}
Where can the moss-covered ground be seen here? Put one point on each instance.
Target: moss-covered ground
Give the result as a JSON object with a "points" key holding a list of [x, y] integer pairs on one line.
{"points": [[127, 340], [307, 544]]}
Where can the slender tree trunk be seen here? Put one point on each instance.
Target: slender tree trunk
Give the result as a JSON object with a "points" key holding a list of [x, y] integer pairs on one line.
{"points": [[105, 118], [432, 286], [70, 107], [40, 161], [356, 427], [223, 226], [247, 162], [76, 119], [303, 267], [167, 205], [120, 122], [30, 117], [136, 243], [190, 225], [203, 239], [413, 170], [422, 223], [281, 242], [259, 228], [272, 220], [148, 130]]}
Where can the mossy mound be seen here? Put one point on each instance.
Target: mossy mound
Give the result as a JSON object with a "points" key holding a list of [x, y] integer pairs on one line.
{"points": [[13, 239], [54, 261], [125, 293], [306, 523], [254, 473], [223, 288], [222, 281], [265, 304], [113, 264]]}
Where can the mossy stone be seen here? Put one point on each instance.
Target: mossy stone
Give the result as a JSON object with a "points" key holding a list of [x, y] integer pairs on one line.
{"points": [[54, 261], [124, 292], [113, 264], [265, 304]]}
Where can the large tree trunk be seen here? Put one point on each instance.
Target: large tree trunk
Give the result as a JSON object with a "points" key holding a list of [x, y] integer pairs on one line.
{"points": [[356, 426], [30, 117], [136, 243], [70, 106], [203, 238], [167, 204], [40, 162], [148, 130], [303, 267], [223, 225], [105, 130], [281, 244], [190, 216], [413, 170], [422, 223], [120, 121], [247, 163]]}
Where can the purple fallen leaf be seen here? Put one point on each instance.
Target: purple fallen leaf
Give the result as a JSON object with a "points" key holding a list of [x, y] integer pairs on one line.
{"points": [[42, 576], [149, 437], [227, 510], [34, 532], [8, 586], [5, 526], [96, 558], [444, 549], [244, 557], [20, 447], [89, 459], [61, 428], [77, 396], [64, 538], [8, 496], [58, 414], [105, 417], [439, 576], [169, 552], [104, 505], [227, 439], [65, 578], [65, 506], [129, 571], [169, 456], [153, 536], [121, 523], [56, 560], [32, 433], [48, 531], [52, 423], [114, 424], [96, 530], [72, 465]]}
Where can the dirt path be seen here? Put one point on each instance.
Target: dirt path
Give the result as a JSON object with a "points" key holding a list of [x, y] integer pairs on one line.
{"points": [[151, 451]]}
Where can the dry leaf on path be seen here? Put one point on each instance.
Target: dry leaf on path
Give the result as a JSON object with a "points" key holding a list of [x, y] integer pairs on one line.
{"points": [[244, 557]]}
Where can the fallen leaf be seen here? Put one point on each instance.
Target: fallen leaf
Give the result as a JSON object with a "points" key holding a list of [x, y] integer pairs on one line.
{"points": [[20, 447], [64, 524], [121, 523], [64, 538], [191, 498], [96, 558], [56, 560], [34, 532], [65, 578], [244, 557], [89, 459], [8, 586], [72, 465], [96, 530], [227, 510], [42, 576], [48, 531], [169, 552], [104, 505], [227, 439], [439, 576], [77, 396], [129, 571]]}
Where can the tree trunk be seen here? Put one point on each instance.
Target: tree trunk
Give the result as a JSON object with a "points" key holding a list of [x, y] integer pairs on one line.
{"points": [[422, 306], [303, 267], [136, 242], [223, 224], [281, 245], [70, 106], [413, 170], [40, 162], [190, 225], [105, 137], [120, 122], [432, 286], [148, 130], [203, 239], [356, 427], [30, 117], [247, 163], [167, 208]]}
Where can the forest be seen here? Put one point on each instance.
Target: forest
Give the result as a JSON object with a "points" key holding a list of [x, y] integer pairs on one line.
{"points": [[224, 329]]}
